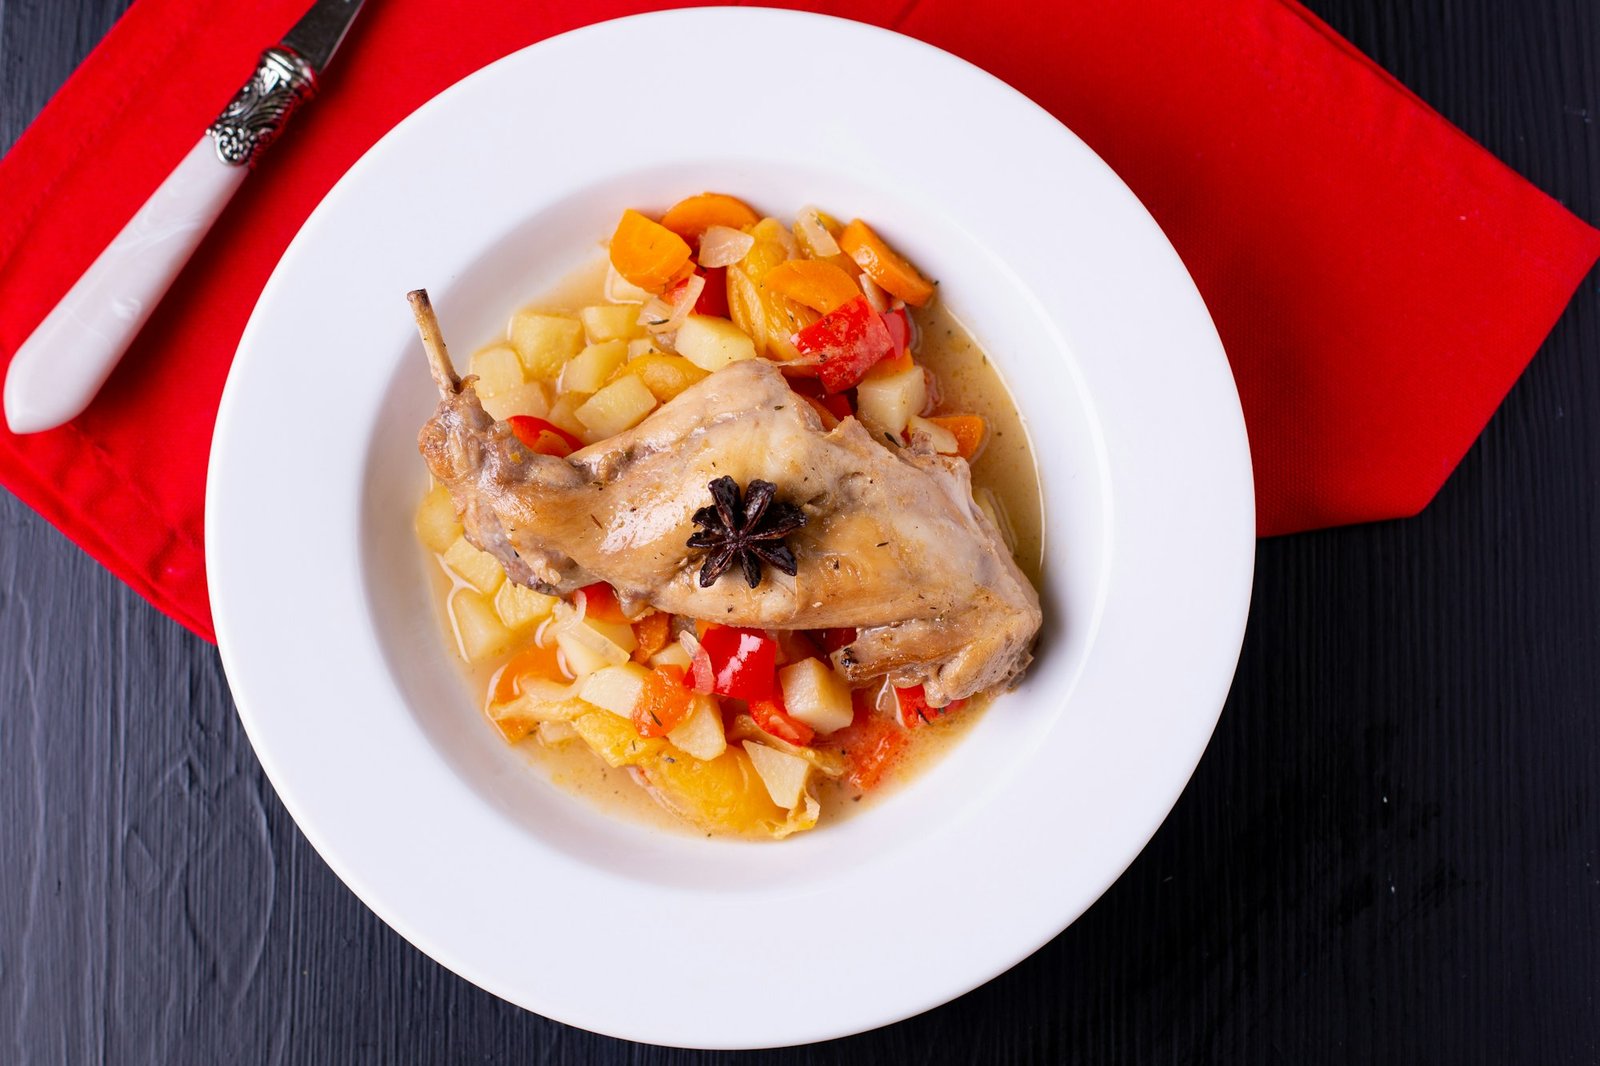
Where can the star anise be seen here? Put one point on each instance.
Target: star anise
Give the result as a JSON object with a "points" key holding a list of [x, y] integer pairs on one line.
{"points": [[748, 531]]}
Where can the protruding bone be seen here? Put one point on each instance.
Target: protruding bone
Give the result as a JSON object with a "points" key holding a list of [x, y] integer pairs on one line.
{"points": [[444, 375]]}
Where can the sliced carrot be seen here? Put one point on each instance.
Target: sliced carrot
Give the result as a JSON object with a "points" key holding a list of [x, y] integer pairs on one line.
{"points": [[651, 632], [532, 662], [818, 285], [647, 253], [692, 217], [970, 431], [883, 264]]}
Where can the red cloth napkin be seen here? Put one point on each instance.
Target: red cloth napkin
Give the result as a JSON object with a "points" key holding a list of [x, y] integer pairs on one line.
{"points": [[1379, 281]]}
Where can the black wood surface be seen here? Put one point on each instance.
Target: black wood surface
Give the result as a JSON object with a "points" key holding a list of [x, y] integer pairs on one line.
{"points": [[1390, 852]]}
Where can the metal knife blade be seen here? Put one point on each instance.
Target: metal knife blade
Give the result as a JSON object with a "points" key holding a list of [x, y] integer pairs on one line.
{"points": [[320, 31]]}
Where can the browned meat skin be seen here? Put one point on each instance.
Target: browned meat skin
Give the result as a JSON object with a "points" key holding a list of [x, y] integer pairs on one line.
{"points": [[893, 546]]}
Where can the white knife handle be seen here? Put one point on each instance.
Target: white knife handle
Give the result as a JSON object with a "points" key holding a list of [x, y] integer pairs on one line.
{"points": [[58, 370]]}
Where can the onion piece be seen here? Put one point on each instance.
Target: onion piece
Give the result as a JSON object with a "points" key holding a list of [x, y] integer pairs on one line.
{"points": [[876, 297], [662, 315], [815, 235], [722, 246]]}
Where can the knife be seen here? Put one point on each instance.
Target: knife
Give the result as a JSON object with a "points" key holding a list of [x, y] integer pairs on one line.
{"points": [[58, 369]]}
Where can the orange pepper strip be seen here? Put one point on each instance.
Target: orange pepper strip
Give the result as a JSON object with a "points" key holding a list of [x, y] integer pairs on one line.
{"points": [[969, 431], [815, 283], [647, 253], [883, 264], [651, 632], [692, 217]]}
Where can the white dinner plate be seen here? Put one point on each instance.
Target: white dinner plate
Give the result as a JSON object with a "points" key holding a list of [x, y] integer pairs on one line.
{"points": [[488, 195]]}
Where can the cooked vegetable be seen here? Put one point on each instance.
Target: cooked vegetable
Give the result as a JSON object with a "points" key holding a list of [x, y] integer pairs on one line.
{"points": [[437, 524], [712, 343], [498, 370], [478, 630], [664, 375], [600, 604], [970, 432], [872, 745], [771, 717], [815, 283], [533, 668], [743, 662], [814, 694], [883, 265], [691, 217], [477, 568], [885, 405], [646, 253], [653, 632], [543, 437], [938, 438], [664, 702], [520, 607], [544, 343], [662, 316], [914, 709], [617, 689], [722, 246], [846, 342], [590, 368], [784, 774], [700, 734], [618, 406], [610, 322]]}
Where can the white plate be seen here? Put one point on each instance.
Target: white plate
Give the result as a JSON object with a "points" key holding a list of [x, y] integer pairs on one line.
{"points": [[491, 193]]}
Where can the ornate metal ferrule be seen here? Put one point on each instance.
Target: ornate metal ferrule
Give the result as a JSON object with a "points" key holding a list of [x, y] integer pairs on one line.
{"points": [[282, 82]]}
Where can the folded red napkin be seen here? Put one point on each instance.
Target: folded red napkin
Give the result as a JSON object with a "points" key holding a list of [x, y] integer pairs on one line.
{"points": [[1379, 281]]}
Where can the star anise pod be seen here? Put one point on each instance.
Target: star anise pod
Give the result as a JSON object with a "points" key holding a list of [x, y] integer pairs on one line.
{"points": [[748, 531]]}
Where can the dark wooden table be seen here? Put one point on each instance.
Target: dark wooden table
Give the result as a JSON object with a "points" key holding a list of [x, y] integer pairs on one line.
{"points": [[1390, 853]]}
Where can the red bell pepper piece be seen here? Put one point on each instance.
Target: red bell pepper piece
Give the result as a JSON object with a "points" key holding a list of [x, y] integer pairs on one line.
{"points": [[834, 639], [714, 297], [914, 709], [601, 603], [836, 404], [850, 339], [773, 718], [899, 326], [543, 437], [744, 662], [871, 743]]}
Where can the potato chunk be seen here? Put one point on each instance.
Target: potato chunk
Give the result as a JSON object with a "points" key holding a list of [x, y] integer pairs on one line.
{"points": [[520, 607], [544, 343], [498, 370], [783, 774], [816, 695], [611, 322], [618, 406], [615, 688], [700, 734], [477, 568], [437, 524], [712, 343], [886, 404], [477, 627], [590, 368]]}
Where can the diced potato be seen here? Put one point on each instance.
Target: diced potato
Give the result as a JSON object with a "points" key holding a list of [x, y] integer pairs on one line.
{"points": [[673, 654], [615, 740], [641, 347], [700, 734], [498, 371], [589, 369], [664, 375], [942, 440], [520, 607], [816, 695], [622, 291], [581, 657], [477, 568], [712, 343], [544, 343], [437, 524], [591, 645], [477, 627], [886, 404], [783, 774], [529, 398], [563, 413], [611, 322], [618, 406], [616, 688]]}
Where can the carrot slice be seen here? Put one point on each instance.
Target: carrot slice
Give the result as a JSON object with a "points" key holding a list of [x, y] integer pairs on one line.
{"points": [[647, 253], [883, 264], [817, 284], [531, 662], [692, 217], [968, 430], [664, 703], [651, 632]]}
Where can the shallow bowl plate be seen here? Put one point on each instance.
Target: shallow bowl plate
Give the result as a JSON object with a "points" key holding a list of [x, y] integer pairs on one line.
{"points": [[490, 194]]}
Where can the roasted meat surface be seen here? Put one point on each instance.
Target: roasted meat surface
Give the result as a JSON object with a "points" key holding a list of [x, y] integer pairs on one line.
{"points": [[893, 544]]}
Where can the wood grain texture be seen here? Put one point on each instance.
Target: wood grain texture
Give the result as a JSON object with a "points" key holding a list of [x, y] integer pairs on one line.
{"points": [[1390, 853]]}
